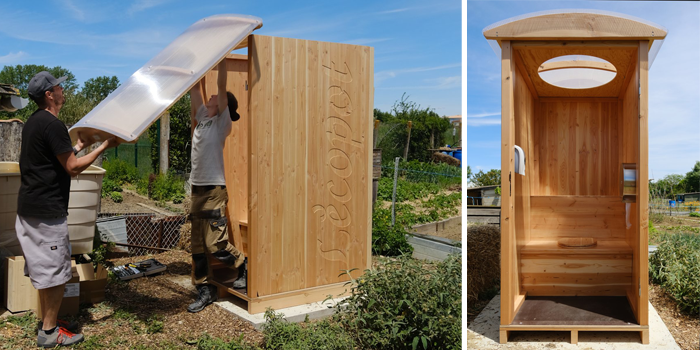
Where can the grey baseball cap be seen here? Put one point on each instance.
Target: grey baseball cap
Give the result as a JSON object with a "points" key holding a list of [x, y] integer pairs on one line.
{"points": [[42, 82]]}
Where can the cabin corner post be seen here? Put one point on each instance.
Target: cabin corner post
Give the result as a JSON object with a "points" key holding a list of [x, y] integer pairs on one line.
{"points": [[643, 184], [509, 279]]}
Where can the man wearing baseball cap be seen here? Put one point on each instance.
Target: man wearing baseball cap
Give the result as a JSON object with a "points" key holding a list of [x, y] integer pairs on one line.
{"points": [[47, 162]]}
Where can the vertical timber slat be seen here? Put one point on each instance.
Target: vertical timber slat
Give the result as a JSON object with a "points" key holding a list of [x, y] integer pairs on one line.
{"points": [[508, 240]]}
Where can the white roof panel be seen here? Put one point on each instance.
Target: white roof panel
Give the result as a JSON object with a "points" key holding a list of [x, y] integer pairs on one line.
{"points": [[139, 101]]}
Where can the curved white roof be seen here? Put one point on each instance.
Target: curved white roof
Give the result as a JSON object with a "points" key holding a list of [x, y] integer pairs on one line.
{"points": [[150, 91]]}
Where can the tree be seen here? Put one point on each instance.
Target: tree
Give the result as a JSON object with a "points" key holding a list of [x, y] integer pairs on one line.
{"points": [[20, 75], [383, 117], [93, 92], [692, 179], [97, 89], [427, 130], [492, 177], [180, 143]]}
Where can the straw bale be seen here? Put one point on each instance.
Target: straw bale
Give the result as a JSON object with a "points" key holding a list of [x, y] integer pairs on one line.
{"points": [[483, 259], [444, 158], [185, 237]]}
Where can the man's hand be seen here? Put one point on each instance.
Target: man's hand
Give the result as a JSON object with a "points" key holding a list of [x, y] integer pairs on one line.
{"points": [[111, 142], [81, 143]]}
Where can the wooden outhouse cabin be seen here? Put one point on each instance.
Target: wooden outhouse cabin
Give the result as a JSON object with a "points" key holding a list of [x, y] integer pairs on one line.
{"points": [[299, 168], [574, 160], [298, 162]]}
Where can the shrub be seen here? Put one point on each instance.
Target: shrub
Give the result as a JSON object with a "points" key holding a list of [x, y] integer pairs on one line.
{"points": [[120, 172], [388, 240], [656, 218], [322, 335], [109, 186], [167, 188], [116, 197], [407, 304], [695, 214], [414, 171], [675, 266]]}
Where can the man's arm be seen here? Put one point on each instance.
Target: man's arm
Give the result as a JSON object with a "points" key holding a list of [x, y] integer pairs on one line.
{"points": [[222, 99], [196, 101], [75, 166]]}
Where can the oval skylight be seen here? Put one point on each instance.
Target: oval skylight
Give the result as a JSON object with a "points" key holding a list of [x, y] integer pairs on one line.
{"points": [[577, 72]]}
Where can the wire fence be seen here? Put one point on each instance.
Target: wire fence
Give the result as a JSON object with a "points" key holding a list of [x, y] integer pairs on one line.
{"points": [[140, 233]]}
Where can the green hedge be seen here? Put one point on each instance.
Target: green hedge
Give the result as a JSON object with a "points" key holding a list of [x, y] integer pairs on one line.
{"points": [[676, 267]]}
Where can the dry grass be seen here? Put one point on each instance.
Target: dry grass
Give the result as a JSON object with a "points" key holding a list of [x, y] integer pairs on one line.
{"points": [[483, 259], [145, 313]]}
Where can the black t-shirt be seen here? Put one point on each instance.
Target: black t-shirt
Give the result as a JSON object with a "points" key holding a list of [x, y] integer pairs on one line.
{"points": [[45, 183]]}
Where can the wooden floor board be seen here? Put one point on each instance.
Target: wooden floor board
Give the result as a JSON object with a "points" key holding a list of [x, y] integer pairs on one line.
{"points": [[565, 310]]}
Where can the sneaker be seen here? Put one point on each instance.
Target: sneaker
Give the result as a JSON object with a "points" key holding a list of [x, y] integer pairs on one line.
{"points": [[241, 281], [59, 337], [71, 326], [207, 295]]}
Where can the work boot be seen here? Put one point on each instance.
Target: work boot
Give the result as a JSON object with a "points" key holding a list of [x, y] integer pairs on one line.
{"points": [[241, 281], [207, 295], [58, 337], [71, 326]]}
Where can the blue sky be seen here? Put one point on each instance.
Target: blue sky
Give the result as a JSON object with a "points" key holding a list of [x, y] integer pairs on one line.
{"points": [[674, 80], [417, 45]]}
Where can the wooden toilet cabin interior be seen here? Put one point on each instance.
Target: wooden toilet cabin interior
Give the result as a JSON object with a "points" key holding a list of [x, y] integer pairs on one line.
{"points": [[573, 233]]}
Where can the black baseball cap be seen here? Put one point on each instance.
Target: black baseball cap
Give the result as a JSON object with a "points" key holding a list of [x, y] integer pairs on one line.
{"points": [[42, 82]]}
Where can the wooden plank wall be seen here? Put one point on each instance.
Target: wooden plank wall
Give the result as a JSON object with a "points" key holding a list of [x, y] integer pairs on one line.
{"points": [[577, 143], [236, 146], [510, 281], [600, 217], [641, 249], [310, 162], [576, 274], [629, 122], [524, 112], [571, 272]]}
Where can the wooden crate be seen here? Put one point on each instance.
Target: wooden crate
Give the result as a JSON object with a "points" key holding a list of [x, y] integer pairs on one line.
{"points": [[575, 142], [299, 167]]}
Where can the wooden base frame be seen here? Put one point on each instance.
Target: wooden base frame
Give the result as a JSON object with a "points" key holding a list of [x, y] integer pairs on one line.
{"points": [[574, 314], [257, 305], [643, 331]]}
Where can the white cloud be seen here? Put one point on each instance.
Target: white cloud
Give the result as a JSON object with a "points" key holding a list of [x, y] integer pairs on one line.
{"points": [[75, 11], [141, 5], [13, 58], [482, 115], [484, 144], [365, 41], [483, 122], [393, 11], [449, 82], [383, 75], [485, 119]]}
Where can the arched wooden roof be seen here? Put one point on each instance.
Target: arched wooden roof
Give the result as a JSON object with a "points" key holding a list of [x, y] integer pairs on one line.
{"points": [[574, 24]]}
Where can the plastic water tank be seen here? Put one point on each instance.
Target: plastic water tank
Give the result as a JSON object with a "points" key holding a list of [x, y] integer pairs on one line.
{"points": [[458, 154], [82, 207]]}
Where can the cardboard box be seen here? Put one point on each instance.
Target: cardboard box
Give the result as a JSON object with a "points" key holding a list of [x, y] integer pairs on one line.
{"points": [[20, 294], [92, 283]]}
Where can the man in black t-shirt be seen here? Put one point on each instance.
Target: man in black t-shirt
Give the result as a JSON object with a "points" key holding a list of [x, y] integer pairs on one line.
{"points": [[47, 162]]}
